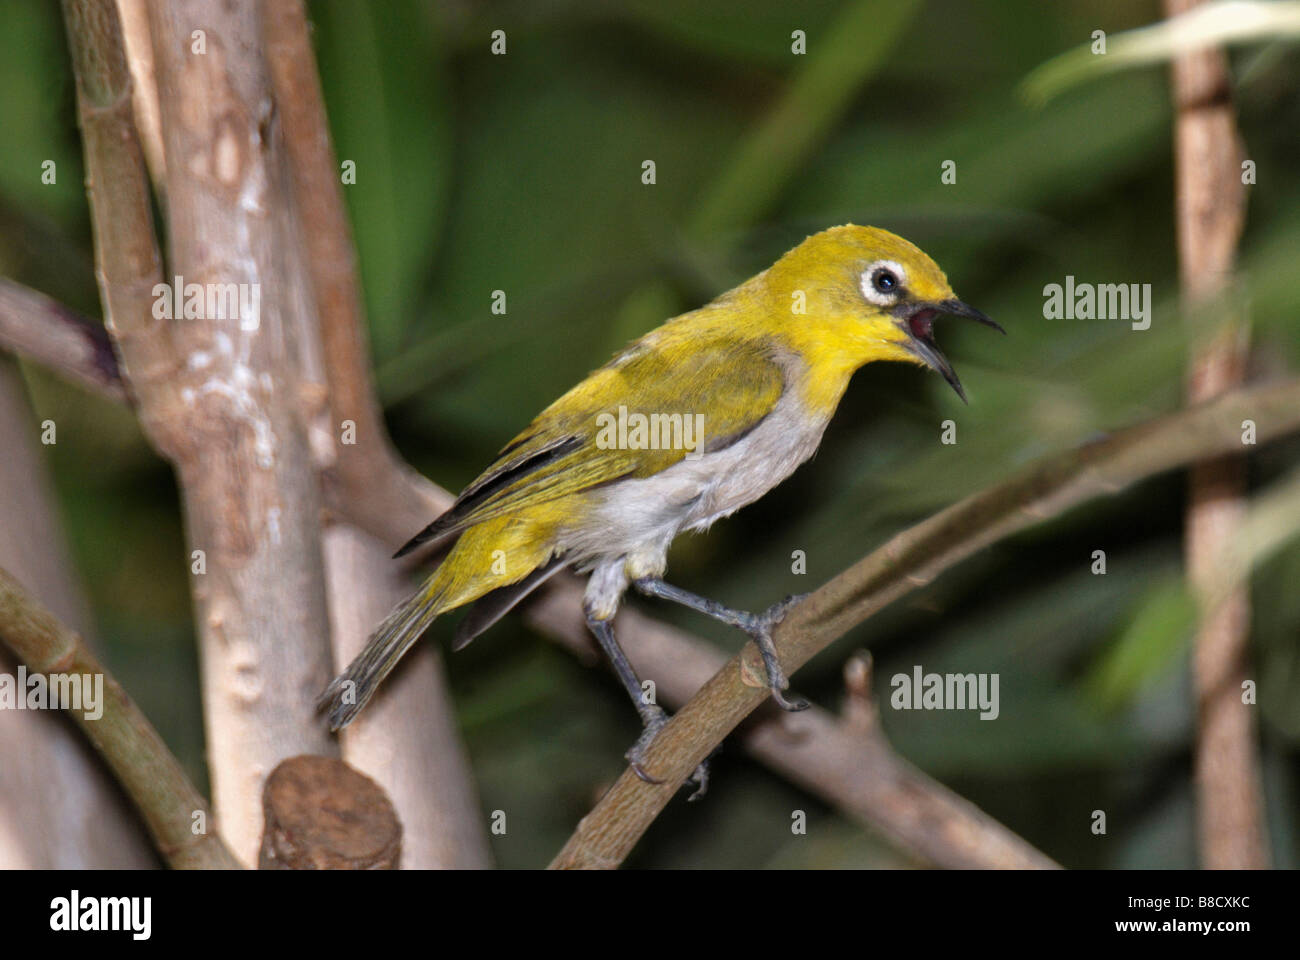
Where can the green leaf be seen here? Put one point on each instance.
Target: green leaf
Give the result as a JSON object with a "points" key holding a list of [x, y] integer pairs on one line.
{"points": [[383, 80]]}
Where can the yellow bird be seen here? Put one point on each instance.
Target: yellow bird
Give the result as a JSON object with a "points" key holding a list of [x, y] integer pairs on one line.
{"points": [[686, 425]]}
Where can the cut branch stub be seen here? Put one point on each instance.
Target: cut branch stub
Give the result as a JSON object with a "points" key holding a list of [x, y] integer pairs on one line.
{"points": [[323, 815]]}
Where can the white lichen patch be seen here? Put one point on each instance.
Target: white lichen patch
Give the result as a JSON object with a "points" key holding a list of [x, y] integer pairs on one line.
{"points": [[246, 408]]}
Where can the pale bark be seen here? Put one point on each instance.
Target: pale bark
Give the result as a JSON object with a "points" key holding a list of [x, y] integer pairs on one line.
{"points": [[408, 739], [1211, 203], [59, 808], [235, 418], [176, 816], [144, 90], [38, 328]]}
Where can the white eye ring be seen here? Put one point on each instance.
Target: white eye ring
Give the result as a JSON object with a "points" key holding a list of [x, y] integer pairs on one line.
{"points": [[870, 276]]}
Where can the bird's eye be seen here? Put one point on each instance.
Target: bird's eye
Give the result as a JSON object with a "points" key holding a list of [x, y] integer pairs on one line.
{"points": [[882, 283]]}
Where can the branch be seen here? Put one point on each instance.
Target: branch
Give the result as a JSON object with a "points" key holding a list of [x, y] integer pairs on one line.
{"points": [[914, 557], [1211, 201], [148, 772], [60, 807], [218, 396], [44, 330], [126, 252], [410, 742], [367, 474], [851, 768], [144, 89]]}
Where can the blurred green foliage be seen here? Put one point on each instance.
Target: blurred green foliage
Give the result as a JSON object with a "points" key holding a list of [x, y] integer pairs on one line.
{"points": [[521, 173]]}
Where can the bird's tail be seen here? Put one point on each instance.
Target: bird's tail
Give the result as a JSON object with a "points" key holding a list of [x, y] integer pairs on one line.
{"points": [[353, 688], [486, 561]]}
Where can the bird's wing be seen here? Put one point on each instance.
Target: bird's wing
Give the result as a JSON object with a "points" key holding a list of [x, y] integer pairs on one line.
{"points": [[565, 450]]}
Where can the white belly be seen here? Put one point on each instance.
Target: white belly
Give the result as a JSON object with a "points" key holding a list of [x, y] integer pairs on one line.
{"points": [[628, 534]]}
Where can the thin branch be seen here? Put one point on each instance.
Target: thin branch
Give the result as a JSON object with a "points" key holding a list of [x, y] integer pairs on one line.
{"points": [[367, 473], [144, 88], [409, 742], [44, 330], [1211, 201], [128, 263], [151, 776], [912, 558], [833, 758], [59, 806]]}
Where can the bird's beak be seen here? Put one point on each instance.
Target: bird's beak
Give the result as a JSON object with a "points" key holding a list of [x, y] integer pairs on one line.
{"points": [[917, 321]]}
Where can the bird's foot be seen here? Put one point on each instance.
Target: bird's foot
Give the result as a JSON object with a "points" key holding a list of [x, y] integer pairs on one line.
{"points": [[760, 627], [655, 719]]}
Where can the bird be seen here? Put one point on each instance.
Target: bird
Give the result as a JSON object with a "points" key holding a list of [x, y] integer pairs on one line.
{"points": [[696, 419]]}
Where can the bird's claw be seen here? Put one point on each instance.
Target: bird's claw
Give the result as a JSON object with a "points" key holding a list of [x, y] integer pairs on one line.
{"points": [[656, 719], [641, 773], [701, 780], [791, 706], [777, 611], [761, 632]]}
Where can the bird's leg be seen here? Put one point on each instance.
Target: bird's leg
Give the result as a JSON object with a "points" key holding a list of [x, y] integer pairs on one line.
{"points": [[758, 626], [653, 717]]}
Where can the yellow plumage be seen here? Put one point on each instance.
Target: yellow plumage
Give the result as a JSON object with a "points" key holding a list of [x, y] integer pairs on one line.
{"points": [[760, 371]]}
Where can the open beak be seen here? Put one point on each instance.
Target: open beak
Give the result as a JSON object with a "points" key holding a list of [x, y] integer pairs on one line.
{"points": [[917, 319]]}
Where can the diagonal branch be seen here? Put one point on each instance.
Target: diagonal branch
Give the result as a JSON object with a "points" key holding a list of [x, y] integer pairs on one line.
{"points": [[846, 763], [914, 557], [50, 333], [151, 776], [49, 775]]}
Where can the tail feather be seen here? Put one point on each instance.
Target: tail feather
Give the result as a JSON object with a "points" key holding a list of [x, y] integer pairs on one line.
{"points": [[491, 607], [468, 573], [353, 688]]}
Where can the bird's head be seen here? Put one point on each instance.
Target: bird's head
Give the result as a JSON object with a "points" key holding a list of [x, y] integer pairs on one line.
{"points": [[850, 295]]}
